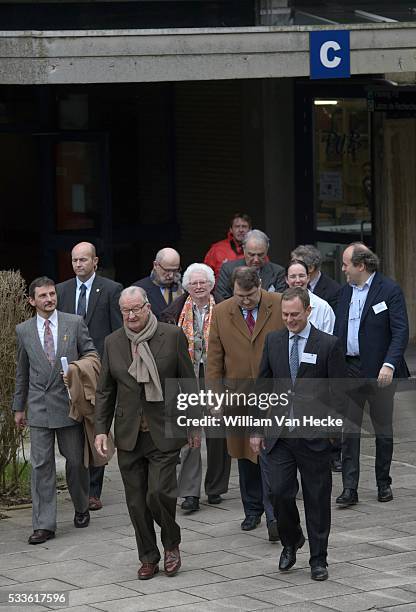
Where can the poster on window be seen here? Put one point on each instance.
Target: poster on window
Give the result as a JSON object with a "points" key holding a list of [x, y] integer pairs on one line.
{"points": [[330, 186]]}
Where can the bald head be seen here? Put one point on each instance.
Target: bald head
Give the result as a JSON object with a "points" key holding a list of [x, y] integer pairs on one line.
{"points": [[166, 266], [84, 260]]}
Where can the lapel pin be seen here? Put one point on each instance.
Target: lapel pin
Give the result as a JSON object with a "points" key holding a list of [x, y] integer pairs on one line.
{"points": [[97, 290], [65, 338]]}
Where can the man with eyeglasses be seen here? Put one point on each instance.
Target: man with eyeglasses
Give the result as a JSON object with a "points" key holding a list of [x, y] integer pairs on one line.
{"points": [[163, 285], [137, 361], [255, 247]]}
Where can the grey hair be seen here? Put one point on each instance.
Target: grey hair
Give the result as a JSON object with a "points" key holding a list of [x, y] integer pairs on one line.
{"points": [[130, 291], [309, 254], [198, 267], [361, 254], [257, 236]]}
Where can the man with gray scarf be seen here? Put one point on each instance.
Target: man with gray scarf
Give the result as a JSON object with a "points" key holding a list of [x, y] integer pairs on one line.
{"points": [[137, 360]]}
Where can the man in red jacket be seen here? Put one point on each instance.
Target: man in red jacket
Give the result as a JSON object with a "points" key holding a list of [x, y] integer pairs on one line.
{"points": [[232, 247]]}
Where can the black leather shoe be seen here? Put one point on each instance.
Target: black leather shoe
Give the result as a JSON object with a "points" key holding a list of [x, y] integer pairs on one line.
{"points": [[250, 523], [273, 531], [81, 519], [385, 494], [214, 499], [319, 572], [349, 497], [39, 536], [190, 504], [336, 465], [288, 556]]}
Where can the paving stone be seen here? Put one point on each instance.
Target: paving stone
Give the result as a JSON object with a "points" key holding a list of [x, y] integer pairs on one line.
{"points": [[242, 602], [306, 592], [246, 569], [58, 553], [7, 581], [370, 534], [380, 580], [406, 543], [211, 559], [234, 587], [390, 562], [148, 602], [183, 580], [357, 552], [401, 608], [368, 601], [101, 593], [225, 543]]}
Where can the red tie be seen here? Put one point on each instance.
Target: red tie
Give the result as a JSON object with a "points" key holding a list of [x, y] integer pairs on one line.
{"points": [[250, 321]]}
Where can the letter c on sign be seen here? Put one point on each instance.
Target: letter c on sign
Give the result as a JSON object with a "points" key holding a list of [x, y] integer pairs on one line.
{"points": [[325, 61]]}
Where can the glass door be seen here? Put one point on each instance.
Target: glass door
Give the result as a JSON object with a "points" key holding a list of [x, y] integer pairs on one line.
{"points": [[77, 201]]}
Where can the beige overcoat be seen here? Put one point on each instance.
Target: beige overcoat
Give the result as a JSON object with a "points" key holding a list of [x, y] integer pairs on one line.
{"points": [[234, 355]]}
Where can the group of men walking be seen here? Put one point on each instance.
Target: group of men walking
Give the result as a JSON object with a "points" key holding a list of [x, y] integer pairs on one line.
{"points": [[255, 321]]}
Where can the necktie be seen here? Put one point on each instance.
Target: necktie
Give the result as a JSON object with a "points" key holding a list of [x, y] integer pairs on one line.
{"points": [[48, 345], [82, 301], [294, 358], [294, 366], [250, 321]]}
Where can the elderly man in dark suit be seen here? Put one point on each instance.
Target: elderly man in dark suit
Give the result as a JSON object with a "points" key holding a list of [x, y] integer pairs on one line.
{"points": [[41, 342], [163, 285], [256, 246], [320, 283], [95, 298], [371, 321], [138, 358], [298, 359]]}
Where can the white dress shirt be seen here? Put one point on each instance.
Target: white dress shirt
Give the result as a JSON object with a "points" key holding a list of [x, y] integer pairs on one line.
{"points": [[322, 316]]}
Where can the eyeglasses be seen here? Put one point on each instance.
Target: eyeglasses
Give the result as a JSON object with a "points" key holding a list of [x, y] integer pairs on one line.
{"points": [[198, 284], [136, 310], [169, 270]]}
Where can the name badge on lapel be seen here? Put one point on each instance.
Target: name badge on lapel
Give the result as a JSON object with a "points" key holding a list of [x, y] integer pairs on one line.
{"points": [[309, 358], [380, 307]]}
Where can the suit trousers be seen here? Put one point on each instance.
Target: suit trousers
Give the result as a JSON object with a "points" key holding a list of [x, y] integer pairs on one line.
{"points": [[380, 402], [96, 480], [218, 469], [149, 478], [43, 480], [251, 488], [284, 459]]}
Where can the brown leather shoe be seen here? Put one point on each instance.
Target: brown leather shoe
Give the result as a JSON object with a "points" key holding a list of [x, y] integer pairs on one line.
{"points": [[172, 561], [95, 503], [147, 571], [39, 536]]}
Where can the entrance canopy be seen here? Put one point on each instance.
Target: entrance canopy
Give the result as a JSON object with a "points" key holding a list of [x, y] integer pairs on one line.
{"points": [[382, 38]]}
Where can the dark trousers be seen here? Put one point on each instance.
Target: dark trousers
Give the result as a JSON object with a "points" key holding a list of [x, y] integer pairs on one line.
{"points": [[96, 480], [380, 402], [218, 466], [149, 478], [286, 457], [251, 488]]}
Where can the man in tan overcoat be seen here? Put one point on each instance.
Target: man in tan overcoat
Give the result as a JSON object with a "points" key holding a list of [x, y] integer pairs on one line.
{"points": [[238, 330]]}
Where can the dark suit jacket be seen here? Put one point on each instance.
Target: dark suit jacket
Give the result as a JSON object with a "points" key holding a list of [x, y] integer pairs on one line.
{"points": [[313, 394], [327, 289], [119, 393], [382, 337], [155, 297], [103, 313], [271, 274]]}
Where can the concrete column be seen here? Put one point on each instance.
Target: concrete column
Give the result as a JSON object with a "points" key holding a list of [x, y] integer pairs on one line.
{"points": [[279, 175], [273, 12]]}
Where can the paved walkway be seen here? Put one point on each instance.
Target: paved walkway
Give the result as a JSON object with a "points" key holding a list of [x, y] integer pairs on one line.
{"points": [[372, 556]]}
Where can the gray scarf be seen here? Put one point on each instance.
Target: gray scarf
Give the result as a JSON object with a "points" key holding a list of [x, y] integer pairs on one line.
{"points": [[143, 367]]}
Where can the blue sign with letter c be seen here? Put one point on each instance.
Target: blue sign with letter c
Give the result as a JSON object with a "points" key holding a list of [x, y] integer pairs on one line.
{"points": [[330, 54]]}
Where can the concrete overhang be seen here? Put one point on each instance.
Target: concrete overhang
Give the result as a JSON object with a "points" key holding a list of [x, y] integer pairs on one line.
{"points": [[126, 56]]}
